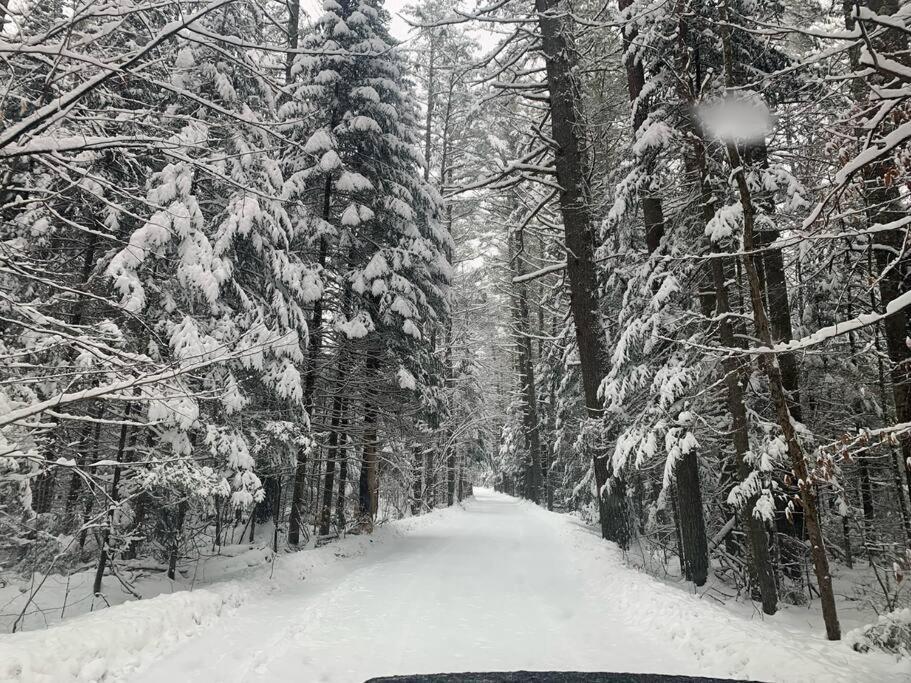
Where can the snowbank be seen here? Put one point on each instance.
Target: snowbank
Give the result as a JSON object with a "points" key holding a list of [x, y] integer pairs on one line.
{"points": [[890, 633], [85, 648], [725, 639], [124, 637]]}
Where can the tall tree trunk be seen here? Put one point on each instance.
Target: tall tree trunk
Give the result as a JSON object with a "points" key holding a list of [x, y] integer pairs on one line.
{"points": [[294, 11], [431, 102], [734, 379], [295, 522], [460, 479], [692, 519], [113, 498], [885, 205], [525, 366], [769, 362], [450, 474], [448, 364], [690, 513], [761, 569], [338, 407], [313, 353], [771, 267], [771, 270], [893, 282], [174, 553], [579, 232], [46, 485], [652, 209], [785, 420], [417, 473], [368, 484], [340, 497]]}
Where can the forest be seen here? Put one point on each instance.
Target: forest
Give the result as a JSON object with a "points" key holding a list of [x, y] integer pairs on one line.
{"points": [[270, 275]]}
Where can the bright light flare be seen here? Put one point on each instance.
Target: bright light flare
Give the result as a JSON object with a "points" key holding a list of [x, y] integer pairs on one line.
{"points": [[736, 119]]}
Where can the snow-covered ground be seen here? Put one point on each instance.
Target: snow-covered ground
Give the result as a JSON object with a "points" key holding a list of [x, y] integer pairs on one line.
{"points": [[498, 585], [45, 600]]}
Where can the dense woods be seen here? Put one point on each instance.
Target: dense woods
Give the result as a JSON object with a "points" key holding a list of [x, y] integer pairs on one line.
{"points": [[268, 274]]}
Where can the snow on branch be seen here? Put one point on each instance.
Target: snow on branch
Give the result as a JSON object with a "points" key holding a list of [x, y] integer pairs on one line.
{"points": [[541, 272]]}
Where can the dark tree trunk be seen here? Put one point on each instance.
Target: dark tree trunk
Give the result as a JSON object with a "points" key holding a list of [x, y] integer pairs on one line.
{"points": [[313, 352], [174, 554], [340, 497], [526, 371], [695, 551], [579, 231], [368, 484], [892, 264], [430, 483], [450, 475], [294, 10], [45, 490], [295, 521], [417, 473], [771, 267], [771, 270], [652, 209], [460, 482], [769, 362], [779, 398], [338, 407], [885, 205], [866, 500], [692, 520], [113, 498], [734, 378]]}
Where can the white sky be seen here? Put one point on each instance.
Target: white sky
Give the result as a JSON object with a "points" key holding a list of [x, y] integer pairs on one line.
{"points": [[398, 28]]}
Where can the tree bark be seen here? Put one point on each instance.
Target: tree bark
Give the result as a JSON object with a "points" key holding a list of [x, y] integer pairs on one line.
{"points": [[652, 209], [692, 520], [338, 407], [769, 363], [417, 474], [734, 378], [294, 11], [526, 371], [579, 232], [884, 205], [690, 513], [114, 497], [368, 485], [295, 522], [174, 553], [340, 497]]}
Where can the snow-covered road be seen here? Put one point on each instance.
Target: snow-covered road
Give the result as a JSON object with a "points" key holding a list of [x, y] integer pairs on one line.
{"points": [[500, 585], [488, 588]]}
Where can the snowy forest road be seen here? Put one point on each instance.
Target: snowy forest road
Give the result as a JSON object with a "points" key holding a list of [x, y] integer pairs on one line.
{"points": [[500, 585]]}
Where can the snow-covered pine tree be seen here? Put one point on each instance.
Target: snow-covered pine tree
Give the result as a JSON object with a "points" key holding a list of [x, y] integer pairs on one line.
{"points": [[358, 164], [189, 300]]}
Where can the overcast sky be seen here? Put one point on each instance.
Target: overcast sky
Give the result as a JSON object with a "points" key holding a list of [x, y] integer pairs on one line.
{"points": [[398, 28]]}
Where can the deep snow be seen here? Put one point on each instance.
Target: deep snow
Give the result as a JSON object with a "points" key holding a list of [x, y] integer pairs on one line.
{"points": [[498, 585]]}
